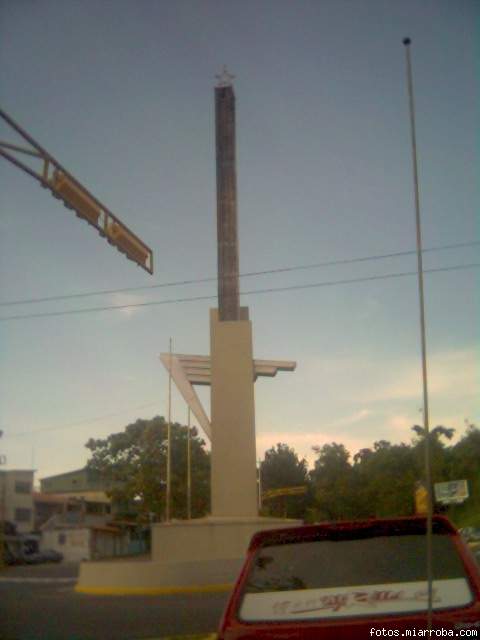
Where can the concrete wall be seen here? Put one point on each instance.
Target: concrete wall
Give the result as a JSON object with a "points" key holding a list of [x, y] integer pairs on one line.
{"points": [[137, 577], [234, 472], [196, 555]]}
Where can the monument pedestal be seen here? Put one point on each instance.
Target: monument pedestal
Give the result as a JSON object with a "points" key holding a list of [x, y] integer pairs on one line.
{"points": [[212, 539], [187, 556], [234, 469]]}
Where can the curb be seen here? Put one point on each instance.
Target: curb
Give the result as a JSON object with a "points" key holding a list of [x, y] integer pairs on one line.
{"points": [[154, 591], [195, 636], [38, 580]]}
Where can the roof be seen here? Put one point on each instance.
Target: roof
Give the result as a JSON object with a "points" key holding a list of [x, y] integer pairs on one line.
{"points": [[105, 528], [66, 473], [413, 525], [51, 498]]}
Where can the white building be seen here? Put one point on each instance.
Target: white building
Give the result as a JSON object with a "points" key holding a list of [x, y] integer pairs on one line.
{"points": [[16, 498]]}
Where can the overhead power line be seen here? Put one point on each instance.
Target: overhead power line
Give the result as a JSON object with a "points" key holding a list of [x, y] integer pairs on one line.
{"points": [[329, 283], [81, 422], [249, 274]]}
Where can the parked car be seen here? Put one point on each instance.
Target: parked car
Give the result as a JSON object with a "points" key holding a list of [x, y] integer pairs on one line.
{"points": [[341, 580], [50, 555], [40, 557]]}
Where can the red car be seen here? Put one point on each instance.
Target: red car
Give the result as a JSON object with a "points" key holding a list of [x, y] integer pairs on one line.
{"points": [[361, 579]]}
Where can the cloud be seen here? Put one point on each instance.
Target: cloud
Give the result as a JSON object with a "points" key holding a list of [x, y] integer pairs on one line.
{"points": [[451, 373], [366, 380], [358, 416]]}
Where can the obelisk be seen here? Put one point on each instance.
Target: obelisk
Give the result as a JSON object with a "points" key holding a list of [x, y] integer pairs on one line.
{"points": [[208, 552], [234, 483], [227, 237]]}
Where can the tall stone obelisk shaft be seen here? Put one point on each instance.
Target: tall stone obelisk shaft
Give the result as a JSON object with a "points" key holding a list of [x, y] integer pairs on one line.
{"points": [[228, 288], [233, 461]]}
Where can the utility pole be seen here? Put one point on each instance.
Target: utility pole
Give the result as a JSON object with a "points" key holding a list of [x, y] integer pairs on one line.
{"points": [[3, 486], [426, 427]]}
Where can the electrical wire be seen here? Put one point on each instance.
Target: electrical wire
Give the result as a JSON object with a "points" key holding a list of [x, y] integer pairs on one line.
{"points": [[249, 274], [49, 314], [80, 423]]}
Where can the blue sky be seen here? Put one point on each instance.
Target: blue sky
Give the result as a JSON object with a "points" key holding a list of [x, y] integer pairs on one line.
{"points": [[121, 93]]}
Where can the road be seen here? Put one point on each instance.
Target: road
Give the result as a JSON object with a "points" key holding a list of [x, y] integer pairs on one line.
{"points": [[39, 603]]}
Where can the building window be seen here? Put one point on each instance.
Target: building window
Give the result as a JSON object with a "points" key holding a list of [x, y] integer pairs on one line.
{"points": [[62, 538], [95, 508], [23, 515], [22, 487]]}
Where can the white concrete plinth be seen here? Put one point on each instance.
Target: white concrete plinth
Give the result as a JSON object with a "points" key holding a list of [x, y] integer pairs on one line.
{"points": [[208, 538], [233, 458], [187, 555]]}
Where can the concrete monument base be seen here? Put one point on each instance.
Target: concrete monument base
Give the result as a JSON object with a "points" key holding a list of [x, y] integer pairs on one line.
{"points": [[187, 556]]}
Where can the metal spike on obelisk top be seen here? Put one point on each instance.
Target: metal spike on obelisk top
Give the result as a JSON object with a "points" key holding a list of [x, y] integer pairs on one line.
{"points": [[224, 78]]}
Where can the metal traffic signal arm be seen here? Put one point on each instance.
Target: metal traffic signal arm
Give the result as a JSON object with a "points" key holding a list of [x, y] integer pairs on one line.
{"points": [[74, 195]]}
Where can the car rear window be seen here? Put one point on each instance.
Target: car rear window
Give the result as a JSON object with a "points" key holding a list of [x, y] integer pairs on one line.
{"points": [[337, 578]]}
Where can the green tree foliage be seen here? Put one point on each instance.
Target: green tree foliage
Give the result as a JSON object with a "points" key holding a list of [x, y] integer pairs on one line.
{"points": [[384, 479], [381, 481], [440, 457], [281, 468], [133, 464], [333, 483], [465, 465]]}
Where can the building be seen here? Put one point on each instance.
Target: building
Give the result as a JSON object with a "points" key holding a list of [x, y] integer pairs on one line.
{"points": [[82, 489], [84, 542], [16, 499], [80, 481]]}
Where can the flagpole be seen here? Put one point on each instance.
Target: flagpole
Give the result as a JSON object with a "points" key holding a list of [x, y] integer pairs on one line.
{"points": [[189, 470], [169, 437]]}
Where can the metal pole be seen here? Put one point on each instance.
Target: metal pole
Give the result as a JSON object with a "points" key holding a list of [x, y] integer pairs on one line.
{"points": [[189, 470], [169, 437], [3, 488], [428, 475], [3, 480], [259, 485]]}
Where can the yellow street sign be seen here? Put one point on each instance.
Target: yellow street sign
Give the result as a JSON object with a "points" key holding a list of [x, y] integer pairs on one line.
{"points": [[284, 491]]}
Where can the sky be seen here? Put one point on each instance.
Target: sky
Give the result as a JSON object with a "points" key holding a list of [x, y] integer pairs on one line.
{"points": [[121, 93]]}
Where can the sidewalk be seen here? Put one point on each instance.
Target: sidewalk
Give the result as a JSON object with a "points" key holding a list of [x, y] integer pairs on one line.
{"points": [[51, 571]]}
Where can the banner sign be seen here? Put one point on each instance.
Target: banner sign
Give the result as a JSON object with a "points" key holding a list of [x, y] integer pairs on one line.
{"points": [[451, 492], [372, 599], [284, 491]]}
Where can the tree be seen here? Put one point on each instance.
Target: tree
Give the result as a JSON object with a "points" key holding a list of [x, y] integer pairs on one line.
{"points": [[384, 480], [332, 480], [133, 465], [281, 468], [465, 465], [439, 454]]}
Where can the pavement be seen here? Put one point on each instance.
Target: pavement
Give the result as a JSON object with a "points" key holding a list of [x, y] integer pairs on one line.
{"points": [[39, 603]]}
